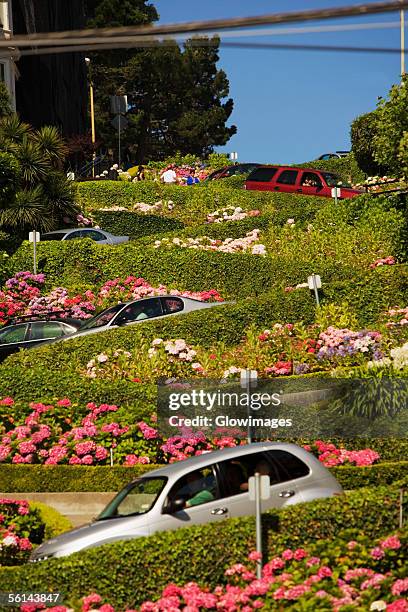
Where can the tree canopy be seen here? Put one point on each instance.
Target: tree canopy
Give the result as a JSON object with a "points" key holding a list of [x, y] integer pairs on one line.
{"points": [[178, 98]]}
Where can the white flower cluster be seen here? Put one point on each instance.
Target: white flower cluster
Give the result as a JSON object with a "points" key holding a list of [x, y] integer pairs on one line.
{"points": [[143, 207], [230, 213], [9, 540], [92, 367], [229, 245], [176, 348], [398, 359], [232, 371]]}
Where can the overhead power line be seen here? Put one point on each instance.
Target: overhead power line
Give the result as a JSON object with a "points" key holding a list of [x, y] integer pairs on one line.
{"points": [[202, 43], [96, 36]]}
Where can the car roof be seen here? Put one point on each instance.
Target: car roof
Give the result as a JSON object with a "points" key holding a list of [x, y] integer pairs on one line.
{"points": [[167, 295], [207, 458], [292, 168], [73, 229], [12, 322]]}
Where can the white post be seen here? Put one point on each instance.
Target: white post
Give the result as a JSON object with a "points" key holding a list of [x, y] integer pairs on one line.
{"points": [[119, 156], [315, 289], [258, 515], [35, 251], [111, 456]]}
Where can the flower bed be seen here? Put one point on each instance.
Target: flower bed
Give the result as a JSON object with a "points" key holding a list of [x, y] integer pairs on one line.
{"points": [[65, 433], [20, 528], [359, 573], [248, 244], [280, 351]]}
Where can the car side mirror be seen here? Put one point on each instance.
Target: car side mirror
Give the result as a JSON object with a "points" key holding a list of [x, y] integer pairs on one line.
{"points": [[174, 506]]}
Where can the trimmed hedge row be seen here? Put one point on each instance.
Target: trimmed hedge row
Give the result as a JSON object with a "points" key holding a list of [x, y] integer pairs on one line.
{"points": [[189, 201], [135, 225], [232, 274], [39, 478], [130, 572]]}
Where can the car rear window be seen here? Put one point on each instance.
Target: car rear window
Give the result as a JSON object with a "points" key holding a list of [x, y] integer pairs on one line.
{"points": [[262, 175], [288, 177]]}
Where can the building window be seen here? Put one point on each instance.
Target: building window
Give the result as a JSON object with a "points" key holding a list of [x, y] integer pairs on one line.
{"points": [[2, 72]]}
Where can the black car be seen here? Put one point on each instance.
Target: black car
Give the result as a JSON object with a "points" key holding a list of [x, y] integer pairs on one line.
{"points": [[30, 331], [231, 171]]}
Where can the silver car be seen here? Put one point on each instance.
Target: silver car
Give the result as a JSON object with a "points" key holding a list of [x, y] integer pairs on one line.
{"points": [[96, 234], [140, 310], [203, 489]]}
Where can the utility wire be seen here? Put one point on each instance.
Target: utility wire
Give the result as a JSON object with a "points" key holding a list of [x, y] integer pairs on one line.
{"points": [[77, 37], [201, 43]]}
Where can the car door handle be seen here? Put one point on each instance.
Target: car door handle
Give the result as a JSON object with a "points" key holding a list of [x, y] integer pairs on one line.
{"points": [[285, 494], [219, 511]]}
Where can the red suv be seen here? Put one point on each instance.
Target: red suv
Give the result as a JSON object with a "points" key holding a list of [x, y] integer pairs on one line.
{"points": [[308, 181]]}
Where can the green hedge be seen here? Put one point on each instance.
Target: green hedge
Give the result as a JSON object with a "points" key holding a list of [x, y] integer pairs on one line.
{"points": [[131, 572], [123, 223], [54, 522], [64, 478], [232, 274], [53, 370], [189, 201]]}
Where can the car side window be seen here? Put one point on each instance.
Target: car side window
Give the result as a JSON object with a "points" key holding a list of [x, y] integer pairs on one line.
{"points": [[73, 235], [262, 175], [172, 305], [14, 334], [311, 179], [288, 177], [289, 466], [46, 329], [145, 309], [93, 234], [236, 472], [195, 488]]}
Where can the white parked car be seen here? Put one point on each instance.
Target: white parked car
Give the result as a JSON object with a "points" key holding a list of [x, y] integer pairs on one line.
{"points": [[98, 235]]}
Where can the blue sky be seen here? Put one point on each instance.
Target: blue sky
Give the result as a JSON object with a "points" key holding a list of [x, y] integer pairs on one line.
{"points": [[292, 106]]}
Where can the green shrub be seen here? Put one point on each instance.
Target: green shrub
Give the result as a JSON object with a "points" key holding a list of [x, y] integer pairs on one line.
{"points": [[64, 478], [54, 522], [352, 477], [148, 564], [67, 478], [133, 224]]}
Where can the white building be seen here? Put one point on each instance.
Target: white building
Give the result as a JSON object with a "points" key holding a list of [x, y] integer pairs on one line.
{"points": [[7, 66]]}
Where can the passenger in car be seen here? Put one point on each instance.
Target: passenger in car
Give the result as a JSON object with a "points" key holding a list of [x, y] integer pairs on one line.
{"points": [[263, 468], [201, 490]]}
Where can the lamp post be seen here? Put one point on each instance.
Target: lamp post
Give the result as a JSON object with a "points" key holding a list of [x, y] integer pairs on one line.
{"points": [[91, 95]]}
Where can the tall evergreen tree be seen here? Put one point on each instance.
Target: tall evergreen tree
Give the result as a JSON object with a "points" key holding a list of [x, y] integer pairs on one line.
{"points": [[178, 99]]}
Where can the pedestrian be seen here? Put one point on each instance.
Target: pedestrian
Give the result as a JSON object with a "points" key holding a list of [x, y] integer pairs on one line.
{"points": [[192, 179], [140, 174], [169, 176]]}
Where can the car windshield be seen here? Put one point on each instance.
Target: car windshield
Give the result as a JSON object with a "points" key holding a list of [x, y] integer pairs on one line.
{"points": [[137, 498], [333, 180], [102, 318]]}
